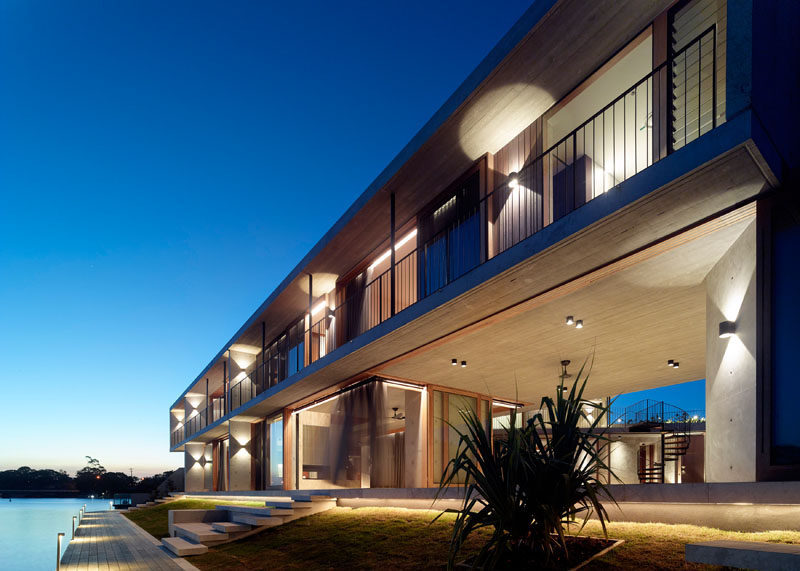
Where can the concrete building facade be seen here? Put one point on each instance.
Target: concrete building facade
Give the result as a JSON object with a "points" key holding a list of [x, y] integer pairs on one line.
{"points": [[616, 179]]}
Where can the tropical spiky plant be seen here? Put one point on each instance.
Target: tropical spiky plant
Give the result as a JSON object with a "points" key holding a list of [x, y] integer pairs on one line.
{"points": [[534, 482]]}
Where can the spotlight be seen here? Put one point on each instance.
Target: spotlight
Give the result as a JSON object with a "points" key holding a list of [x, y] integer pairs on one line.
{"points": [[513, 180], [670, 363], [726, 329], [579, 324], [463, 364], [570, 320], [676, 365], [454, 362]]}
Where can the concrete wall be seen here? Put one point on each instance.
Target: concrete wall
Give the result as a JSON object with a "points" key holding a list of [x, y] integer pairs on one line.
{"points": [[624, 458], [194, 471], [730, 451], [240, 455]]}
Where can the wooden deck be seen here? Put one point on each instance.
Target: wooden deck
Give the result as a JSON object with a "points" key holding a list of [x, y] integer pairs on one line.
{"points": [[108, 540]]}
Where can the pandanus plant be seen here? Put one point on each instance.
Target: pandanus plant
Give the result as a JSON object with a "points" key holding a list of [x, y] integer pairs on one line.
{"points": [[536, 480]]}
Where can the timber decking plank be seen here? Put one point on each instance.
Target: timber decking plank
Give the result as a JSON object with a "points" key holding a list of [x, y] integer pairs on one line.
{"points": [[107, 541]]}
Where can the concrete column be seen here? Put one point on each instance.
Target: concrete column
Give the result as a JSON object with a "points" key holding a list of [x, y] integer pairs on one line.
{"points": [[194, 472], [730, 443], [240, 455], [415, 441]]}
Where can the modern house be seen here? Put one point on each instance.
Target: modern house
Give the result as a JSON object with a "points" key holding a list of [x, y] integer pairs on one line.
{"points": [[616, 179]]}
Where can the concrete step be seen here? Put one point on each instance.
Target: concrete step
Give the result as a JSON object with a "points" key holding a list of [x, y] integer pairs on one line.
{"points": [[200, 532], [283, 503], [230, 526], [310, 497], [254, 520], [182, 548], [263, 512]]}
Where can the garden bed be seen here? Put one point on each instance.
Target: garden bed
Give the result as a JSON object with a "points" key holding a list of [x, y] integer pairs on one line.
{"points": [[581, 550]]}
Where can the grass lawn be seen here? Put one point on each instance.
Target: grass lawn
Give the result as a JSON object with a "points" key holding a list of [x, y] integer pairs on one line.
{"points": [[393, 538], [155, 519]]}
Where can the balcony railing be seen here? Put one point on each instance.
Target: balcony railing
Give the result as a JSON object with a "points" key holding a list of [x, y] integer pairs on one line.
{"points": [[623, 138]]}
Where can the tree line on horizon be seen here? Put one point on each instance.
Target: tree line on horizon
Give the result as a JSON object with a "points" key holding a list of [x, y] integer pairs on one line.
{"points": [[92, 479]]}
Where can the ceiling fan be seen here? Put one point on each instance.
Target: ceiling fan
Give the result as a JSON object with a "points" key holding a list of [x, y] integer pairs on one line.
{"points": [[397, 415]]}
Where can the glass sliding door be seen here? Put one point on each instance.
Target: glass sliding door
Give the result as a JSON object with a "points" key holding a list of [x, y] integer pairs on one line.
{"points": [[276, 452]]}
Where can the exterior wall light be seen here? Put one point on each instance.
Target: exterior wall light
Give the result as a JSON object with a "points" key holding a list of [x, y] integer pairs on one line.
{"points": [[463, 364], [513, 180], [579, 324], [454, 362], [726, 329], [570, 320], [670, 363], [676, 365]]}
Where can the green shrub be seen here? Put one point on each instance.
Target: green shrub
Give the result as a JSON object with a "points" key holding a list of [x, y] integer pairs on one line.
{"points": [[533, 483]]}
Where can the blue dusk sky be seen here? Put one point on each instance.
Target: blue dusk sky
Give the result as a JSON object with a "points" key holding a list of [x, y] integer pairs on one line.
{"points": [[163, 166]]}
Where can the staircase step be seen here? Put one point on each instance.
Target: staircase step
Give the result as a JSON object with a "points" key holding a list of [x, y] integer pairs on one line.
{"points": [[230, 526], [254, 520], [263, 512], [310, 497], [200, 532], [182, 548]]}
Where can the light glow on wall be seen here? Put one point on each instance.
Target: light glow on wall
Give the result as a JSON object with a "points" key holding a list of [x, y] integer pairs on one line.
{"points": [[403, 241]]}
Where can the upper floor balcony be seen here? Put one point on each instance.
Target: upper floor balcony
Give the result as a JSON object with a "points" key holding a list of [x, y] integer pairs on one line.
{"points": [[597, 144]]}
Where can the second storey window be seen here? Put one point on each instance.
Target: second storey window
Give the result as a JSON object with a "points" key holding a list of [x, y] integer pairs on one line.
{"points": [[450, 236]]}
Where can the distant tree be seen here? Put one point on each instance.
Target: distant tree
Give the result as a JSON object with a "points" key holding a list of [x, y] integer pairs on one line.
{"points": [[89, 478], [26, 478]]}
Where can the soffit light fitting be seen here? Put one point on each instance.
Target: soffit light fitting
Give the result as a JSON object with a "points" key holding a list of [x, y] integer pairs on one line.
{"points": [[670, 363], [570, 320], [727, 329], [579, 324], [463, 364], [510, 405], [454, 362], [407, 386], [676, 365], [402, 242]]}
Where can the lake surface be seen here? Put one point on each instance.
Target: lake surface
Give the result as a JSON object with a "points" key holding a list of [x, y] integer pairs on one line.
{"points": [[29, 527]]}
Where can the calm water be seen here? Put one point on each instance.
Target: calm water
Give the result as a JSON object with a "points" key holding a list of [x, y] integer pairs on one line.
{"points": [[28, 530]]}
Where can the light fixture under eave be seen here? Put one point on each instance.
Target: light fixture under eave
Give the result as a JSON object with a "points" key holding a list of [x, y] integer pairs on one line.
{"points": [[510, 405], [463, 364], [570, 320], [579, 324], [676, 365], [400, 243], [513, 180], [670, 363], [319, 307], [727, 329], [402, 385], [454, 362]]}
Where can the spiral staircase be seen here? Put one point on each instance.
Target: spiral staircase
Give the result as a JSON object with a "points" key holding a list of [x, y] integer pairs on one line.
{"points": [[674, 425]]}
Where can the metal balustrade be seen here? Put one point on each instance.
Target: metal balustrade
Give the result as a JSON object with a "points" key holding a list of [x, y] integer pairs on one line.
{"points": [[617, 142]]}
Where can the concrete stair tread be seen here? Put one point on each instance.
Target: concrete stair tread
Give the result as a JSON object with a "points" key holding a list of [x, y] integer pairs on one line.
{"points": [[254, 520], [310, 497], [263, 512], [230, 526], [181, 547], [200, 532]]}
